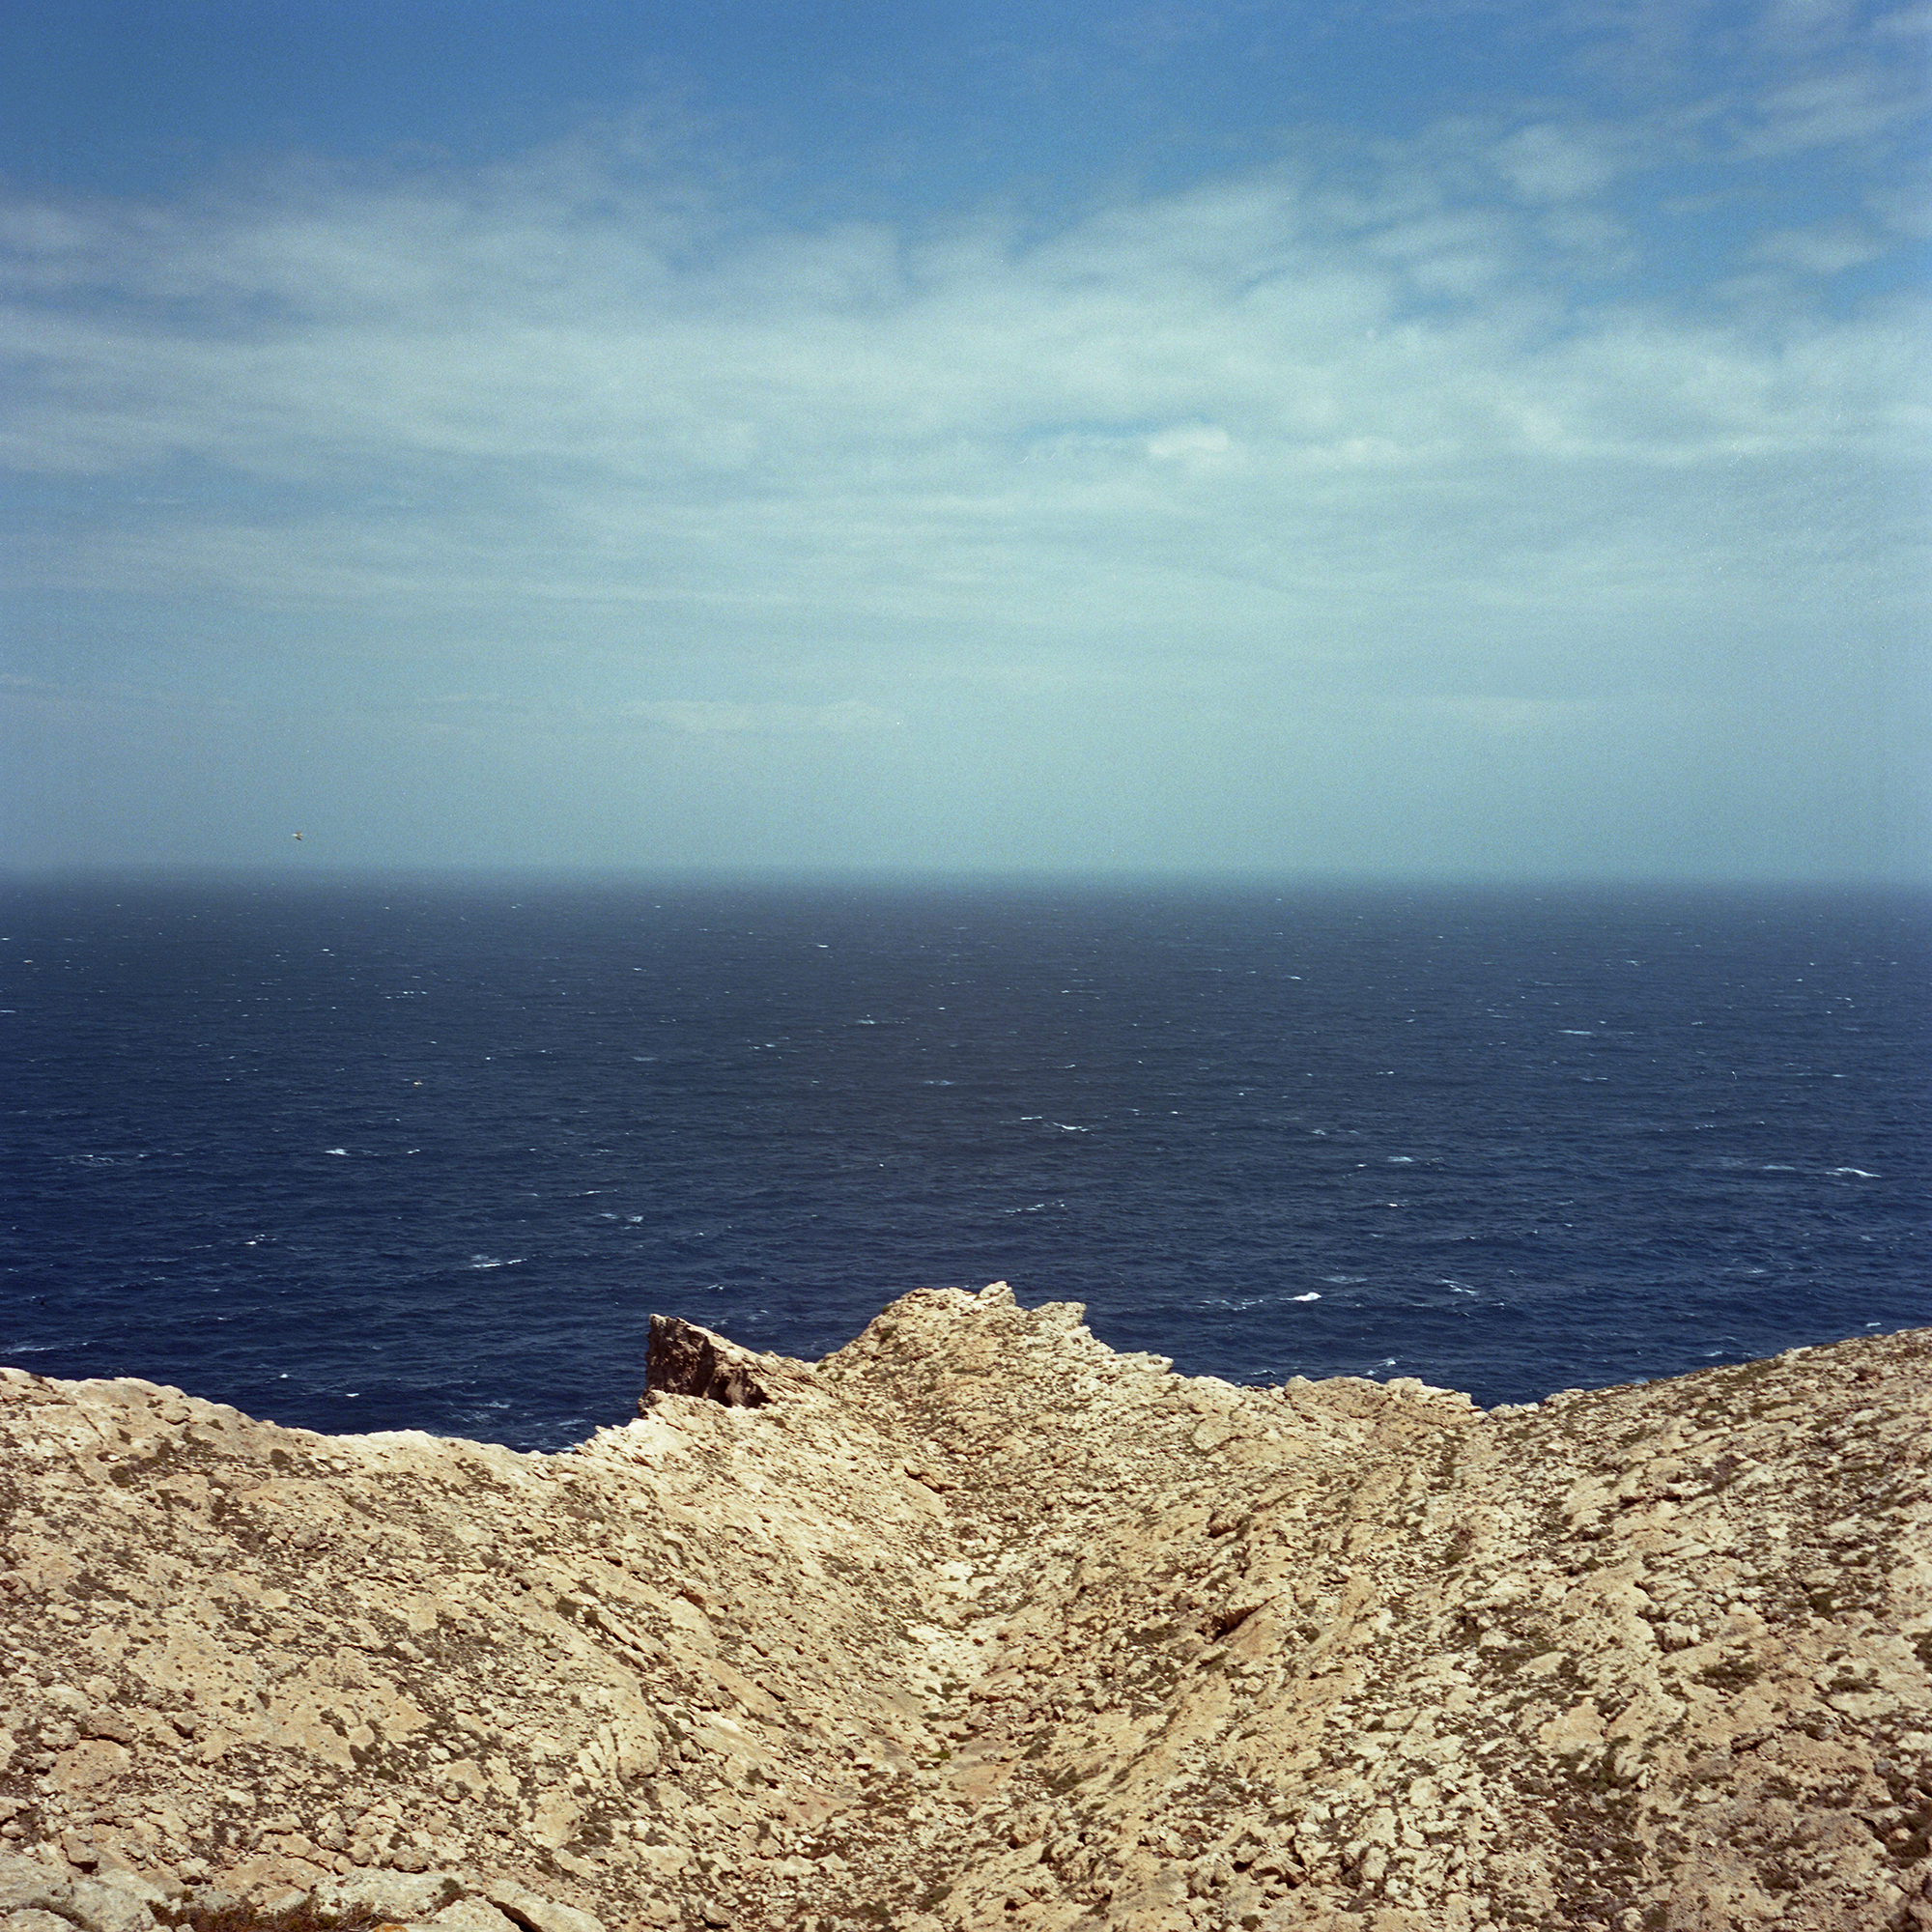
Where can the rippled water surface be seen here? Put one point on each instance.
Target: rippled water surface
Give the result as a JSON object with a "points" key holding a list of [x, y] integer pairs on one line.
{"points": [[378, 1154]]}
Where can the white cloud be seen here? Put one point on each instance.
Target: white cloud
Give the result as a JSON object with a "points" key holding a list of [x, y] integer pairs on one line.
{"points": [[1512, 717], [1552, 162], [1193, 445], [1858, 106], [1818, 252], [705, 715], [1263, 450], [1215, 410]]}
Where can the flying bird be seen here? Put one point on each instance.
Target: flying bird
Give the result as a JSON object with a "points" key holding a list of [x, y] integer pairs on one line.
{"points": [[298, 837]]}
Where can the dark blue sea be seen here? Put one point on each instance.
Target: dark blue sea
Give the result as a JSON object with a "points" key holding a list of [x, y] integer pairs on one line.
{"points": [[382, 1153]]}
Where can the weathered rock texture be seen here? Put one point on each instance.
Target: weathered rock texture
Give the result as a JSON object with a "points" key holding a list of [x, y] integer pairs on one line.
{"points": [[978, 1624]]}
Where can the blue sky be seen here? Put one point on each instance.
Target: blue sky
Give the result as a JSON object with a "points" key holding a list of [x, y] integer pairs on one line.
{"points": [[1394, 440]]}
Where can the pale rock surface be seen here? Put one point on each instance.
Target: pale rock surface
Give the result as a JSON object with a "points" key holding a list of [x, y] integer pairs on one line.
{"points": [[978, 1624]]}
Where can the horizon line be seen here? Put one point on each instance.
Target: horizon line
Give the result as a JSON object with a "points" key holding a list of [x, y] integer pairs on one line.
{"points": [[688, 876]]}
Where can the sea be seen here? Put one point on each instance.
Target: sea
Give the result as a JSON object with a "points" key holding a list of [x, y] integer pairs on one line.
{"points": [[377, 1153]]}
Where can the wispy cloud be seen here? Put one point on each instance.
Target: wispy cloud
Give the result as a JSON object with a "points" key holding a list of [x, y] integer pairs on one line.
{"points": [[1512, 717], [703, 717], [1422, 416], [386, 367]]}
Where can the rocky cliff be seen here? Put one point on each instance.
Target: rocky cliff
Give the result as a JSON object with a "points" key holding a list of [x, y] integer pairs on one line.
{"points": [[979, 1623]]}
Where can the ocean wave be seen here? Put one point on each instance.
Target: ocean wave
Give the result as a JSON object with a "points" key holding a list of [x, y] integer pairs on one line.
{"points": [[1609, 1240]]}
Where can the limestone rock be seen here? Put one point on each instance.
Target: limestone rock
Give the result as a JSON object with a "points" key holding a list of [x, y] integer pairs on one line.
{"points": [[404, 1896], [32, 1891], [975, 1624], [682, 1358], [33, 1919], [524, 1908], [475, 1915]]}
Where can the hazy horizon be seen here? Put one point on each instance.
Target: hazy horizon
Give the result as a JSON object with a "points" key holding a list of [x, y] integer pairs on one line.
{"points": [[940, 879]]}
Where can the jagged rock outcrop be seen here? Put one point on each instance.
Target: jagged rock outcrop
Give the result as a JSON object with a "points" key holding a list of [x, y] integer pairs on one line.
{"points": [[682, 1358], [976, 1624]]}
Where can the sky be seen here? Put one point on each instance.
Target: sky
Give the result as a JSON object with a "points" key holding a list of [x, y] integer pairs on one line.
{"points": [[1480, 438]]}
